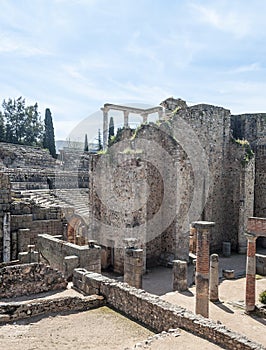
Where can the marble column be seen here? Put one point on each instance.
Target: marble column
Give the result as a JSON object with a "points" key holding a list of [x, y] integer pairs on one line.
{"points": [[105, 127], [126, 113], [202, 266], [251, 273], [145, 117], [160, 114]]}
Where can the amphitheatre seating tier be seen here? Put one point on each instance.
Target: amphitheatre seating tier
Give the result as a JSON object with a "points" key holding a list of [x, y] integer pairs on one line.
{"points": [[20, 156]]}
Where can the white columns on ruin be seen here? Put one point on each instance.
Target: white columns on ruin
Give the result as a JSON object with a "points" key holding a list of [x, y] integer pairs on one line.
{"points": [[126, 113], [251, 273], [214, 277], [6, 238], [202, 266], [105, 127], [144, 117], [160, 114]]}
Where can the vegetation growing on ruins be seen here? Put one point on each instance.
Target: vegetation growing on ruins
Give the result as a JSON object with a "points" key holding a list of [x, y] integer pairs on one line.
{"points": [[48, 138], [262, 297], [249, 154]]}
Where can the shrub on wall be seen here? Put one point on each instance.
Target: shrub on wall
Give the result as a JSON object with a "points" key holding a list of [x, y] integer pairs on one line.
{"points": [[262, 297]]}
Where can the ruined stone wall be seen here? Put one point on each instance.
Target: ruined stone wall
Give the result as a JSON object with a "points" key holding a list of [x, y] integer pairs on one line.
{"points": [[260, 180], [28, 279], [211, 126], [158, 314], [55, 251], [5, 200], [20, 156], [252, 127], [116, 181], [27, 221], [10, 312]]}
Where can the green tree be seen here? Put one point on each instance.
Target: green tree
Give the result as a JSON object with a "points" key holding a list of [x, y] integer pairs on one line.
{"points": [[33, 126], [48, 139], [14, 113], [111, 129], [100, 147], [86, 145]]}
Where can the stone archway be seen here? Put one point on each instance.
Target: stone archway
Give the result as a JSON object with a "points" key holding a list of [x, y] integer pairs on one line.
{"points": [[256, 227], [76, 231]]}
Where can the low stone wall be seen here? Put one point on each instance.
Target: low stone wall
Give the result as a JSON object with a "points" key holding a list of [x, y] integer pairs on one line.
{"points": [[28, 279], [16, 311], [55, 251], [157, 313]]}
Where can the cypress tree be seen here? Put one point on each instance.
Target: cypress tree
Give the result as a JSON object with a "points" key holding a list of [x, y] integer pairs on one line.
{"points": [[86, 145], [48, 139]]}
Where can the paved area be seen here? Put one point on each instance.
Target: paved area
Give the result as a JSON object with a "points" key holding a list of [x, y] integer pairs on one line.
{"points": [[230, 310]]}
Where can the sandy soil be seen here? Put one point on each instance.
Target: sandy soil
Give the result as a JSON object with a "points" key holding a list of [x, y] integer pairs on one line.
{"points": [[95, 329]]}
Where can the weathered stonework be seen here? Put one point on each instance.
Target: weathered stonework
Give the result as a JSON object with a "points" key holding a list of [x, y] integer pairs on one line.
{"points": [[28, 279], [156, 313], [66, 256], [17, 311]]}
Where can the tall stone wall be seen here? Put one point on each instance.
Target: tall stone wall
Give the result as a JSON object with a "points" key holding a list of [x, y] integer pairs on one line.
{"points": [[252, 127], [211, 127]]}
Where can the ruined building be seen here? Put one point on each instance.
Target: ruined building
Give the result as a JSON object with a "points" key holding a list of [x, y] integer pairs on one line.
{"points": [[195, 163]]}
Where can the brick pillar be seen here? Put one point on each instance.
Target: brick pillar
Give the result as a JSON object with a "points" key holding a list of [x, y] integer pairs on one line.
{"points": [[179, 275], [133, 264], [202, 266], [214, 277], [251, 273]]}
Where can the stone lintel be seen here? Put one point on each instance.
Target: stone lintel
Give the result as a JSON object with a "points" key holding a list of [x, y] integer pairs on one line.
{"points": [[251, 235], [202, 224]]}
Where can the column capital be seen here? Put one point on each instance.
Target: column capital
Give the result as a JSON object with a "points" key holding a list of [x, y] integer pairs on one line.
{"points": [[251, 236], [202, 224], [105, 109]]}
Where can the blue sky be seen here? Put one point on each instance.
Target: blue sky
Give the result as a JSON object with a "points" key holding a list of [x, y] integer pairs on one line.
{"points": [[72, 56]]}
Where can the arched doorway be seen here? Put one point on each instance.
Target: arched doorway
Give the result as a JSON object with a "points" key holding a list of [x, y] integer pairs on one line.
{"points": [[76, 231]]}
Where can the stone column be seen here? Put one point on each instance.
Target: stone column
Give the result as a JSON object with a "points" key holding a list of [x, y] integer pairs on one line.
{"points": [[126, 113], [6, 238], [145, 117], [251, 273], [214, 277], [160, 114], [202, 266], [133, 265], [105, 127], [179, 275]]}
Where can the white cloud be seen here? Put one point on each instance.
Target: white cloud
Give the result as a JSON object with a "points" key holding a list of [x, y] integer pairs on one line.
{"points": [[253, 67], [224, 19], [17, 44]]}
